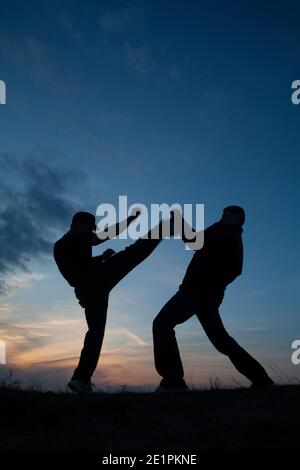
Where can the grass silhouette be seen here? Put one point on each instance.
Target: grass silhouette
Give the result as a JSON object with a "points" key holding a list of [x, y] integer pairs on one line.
{"points": [[208, 419]]}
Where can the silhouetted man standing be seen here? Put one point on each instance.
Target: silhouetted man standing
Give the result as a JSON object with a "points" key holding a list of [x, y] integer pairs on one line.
{"points": [[211, 269], [93, 278]]}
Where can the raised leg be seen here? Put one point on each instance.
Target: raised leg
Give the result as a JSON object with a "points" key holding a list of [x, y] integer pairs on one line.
{"points": [[120, 264]]}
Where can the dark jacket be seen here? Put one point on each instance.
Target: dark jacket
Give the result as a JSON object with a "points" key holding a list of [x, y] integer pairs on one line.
{"points": [[73, 256], [219, 261]]}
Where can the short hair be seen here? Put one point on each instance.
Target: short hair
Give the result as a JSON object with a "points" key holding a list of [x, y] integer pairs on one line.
{"points": [[237, 211], [84, 218]]}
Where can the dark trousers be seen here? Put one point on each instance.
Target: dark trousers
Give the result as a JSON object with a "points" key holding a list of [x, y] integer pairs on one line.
{"points": [[93, 296], [178, 310]]}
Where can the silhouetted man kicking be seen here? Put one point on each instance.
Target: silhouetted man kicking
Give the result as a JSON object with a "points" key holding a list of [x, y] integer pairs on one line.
{"points": [[93, 278], [202, 290]]}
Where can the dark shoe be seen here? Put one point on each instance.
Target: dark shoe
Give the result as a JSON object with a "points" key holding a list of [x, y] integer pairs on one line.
{"points": [[171, 386]]}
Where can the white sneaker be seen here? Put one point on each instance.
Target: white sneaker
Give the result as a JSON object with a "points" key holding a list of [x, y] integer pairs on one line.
{"points": [[80, 386]]}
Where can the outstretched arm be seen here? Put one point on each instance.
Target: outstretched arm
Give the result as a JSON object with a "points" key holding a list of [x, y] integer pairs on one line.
{"points": [[114, 230], [192, 238]]}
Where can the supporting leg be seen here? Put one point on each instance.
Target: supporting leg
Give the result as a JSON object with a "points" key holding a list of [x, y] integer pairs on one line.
{"points": [[166, 353], [225, 344], [96, 319]]}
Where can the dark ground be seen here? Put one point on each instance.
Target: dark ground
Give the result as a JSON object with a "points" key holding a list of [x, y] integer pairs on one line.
{"points": [[212, 419]]}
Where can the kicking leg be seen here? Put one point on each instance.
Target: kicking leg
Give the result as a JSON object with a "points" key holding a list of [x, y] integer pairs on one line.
{"points": [[120, 264], [114, 269]]}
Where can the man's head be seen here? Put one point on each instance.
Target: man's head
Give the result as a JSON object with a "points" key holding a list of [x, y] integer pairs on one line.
{"points": [[84, 222], [233, 215]]}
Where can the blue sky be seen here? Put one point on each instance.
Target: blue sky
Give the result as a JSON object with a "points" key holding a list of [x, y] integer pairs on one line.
{"points": [[176, 101]]}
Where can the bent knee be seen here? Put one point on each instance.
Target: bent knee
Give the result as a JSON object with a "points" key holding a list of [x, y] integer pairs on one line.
{"points": [[161, 324], [156, 325]]}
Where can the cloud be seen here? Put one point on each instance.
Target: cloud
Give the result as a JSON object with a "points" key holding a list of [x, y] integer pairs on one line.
{"points": [[20, 340], [33, 206], [6, 311], [135, 338], [61, 362], [115, 22], [46, 353], [53, 323], [69, 28], [32, 55], [34, 342], [112, 120], [117, 26], [22, 280], [139, 58]]}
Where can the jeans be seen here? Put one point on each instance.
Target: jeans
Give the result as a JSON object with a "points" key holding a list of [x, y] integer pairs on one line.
{"points": [[179, 309]]}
